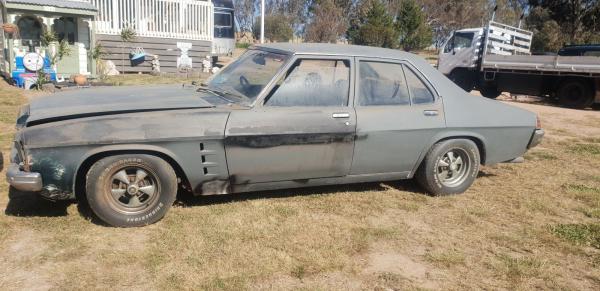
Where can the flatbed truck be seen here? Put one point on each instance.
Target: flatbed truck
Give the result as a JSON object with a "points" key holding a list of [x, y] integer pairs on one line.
{"points": [[497, 58]]}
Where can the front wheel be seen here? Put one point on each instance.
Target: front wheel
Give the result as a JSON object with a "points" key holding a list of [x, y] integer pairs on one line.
{"points": [[131, 190], [450, 167], [490, 92]]}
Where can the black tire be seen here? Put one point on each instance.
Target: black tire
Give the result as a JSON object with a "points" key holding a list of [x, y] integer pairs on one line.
{"points": [[463, 79], [428, 174], [144, 201], [575, 94], [490, 92]]}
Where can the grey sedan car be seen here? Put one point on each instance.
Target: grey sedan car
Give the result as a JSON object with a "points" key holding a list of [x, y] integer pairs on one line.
{"points": [[280, 116]]}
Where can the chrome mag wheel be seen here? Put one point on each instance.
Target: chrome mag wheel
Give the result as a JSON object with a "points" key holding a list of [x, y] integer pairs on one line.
{"points": [[453, 168], [133, 189]]}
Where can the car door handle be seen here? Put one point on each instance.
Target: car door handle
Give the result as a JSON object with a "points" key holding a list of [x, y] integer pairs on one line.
{"points": [[430, 113], [341, 115]]}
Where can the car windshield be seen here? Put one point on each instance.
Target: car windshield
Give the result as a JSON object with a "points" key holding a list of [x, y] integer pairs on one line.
{"points": [[246, 77]]}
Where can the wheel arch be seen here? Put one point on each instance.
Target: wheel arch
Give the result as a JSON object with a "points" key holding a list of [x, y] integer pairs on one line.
{"points": [[476, 138], [97, 154]]}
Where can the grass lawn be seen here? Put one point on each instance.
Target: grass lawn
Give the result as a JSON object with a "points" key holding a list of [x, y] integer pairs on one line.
{"points": [[521, 226]]}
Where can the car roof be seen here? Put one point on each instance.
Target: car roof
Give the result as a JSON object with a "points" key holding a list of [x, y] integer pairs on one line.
{"points": [[338, 50]]}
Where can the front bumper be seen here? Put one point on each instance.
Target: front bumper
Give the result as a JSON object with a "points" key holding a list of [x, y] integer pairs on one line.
{"points": [[23, 181], [536, 138]]}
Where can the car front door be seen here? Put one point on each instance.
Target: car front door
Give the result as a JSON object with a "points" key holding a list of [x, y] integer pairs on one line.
{"points": [[398, 114], [303, 128]]}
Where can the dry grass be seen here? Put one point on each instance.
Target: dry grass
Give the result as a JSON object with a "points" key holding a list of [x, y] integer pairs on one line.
{"points": [[521, 226]]}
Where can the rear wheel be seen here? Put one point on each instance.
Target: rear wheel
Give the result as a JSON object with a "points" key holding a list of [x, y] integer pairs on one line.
{"points": [[490, 92], [575, 94], [131, 190], [450, 167]]}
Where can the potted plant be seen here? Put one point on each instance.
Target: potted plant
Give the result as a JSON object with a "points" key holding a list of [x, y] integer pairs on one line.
{"points": [[128, 34], [10, 28], [80, 79]]}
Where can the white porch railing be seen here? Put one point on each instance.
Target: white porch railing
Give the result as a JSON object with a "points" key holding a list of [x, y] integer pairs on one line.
{"points": [[181, 19]]}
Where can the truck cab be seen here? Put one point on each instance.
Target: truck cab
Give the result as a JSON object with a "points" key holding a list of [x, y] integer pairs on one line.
{"points": [[460, 51]]}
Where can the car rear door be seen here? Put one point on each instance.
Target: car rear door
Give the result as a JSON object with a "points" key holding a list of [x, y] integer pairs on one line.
{"points": [[304, 128], [398, 113]]}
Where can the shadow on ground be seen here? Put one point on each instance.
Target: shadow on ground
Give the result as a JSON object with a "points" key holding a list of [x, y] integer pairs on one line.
{"points": [[27, 204], [185, 199]]}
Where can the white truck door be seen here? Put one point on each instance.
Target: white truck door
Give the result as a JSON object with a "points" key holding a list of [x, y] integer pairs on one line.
{"points": [[458, 52]]}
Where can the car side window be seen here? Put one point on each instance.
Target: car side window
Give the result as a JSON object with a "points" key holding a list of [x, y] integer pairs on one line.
{"points": [[382, 84], [419, 92], [313, 83]]}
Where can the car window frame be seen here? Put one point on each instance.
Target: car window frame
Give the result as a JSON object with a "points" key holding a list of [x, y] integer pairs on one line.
{"points": [[383, 62], [423, 80], [404, 63], [262, 98]]}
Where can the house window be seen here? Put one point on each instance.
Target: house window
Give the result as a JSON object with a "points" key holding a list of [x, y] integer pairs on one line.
{"points": [[223, 19], [30, 30], [65, 29]]}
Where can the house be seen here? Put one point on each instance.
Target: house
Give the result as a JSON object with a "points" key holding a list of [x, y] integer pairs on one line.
{"points": [[177, 34], [180, 33], [72, 22]]}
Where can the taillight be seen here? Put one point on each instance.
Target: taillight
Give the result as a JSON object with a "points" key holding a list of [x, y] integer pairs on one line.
{"points": [[538, 123]]}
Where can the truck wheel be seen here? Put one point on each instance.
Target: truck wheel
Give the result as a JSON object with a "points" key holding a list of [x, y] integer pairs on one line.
{"points": [[462, 79], [449, 168], [490, 92], [131, 190], [575, 94]]}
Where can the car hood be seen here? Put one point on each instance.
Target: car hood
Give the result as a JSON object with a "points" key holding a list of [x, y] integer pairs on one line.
{"points": [[111, 100]]}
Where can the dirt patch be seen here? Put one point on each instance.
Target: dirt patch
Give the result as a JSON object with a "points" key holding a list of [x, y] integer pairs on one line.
{"points": [[24, 268], [386, 263]]}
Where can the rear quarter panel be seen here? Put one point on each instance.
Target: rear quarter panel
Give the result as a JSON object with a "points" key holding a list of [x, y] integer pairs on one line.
{"points": [[503, 129]]}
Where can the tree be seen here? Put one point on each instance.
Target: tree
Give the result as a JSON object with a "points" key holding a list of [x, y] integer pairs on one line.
{"points": [[277, 28], [446, 16], [414, 32], [509, 11], [295, 12], [579, 19], [245, 11], [547, 34], [328, 22], [374, 29]]}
